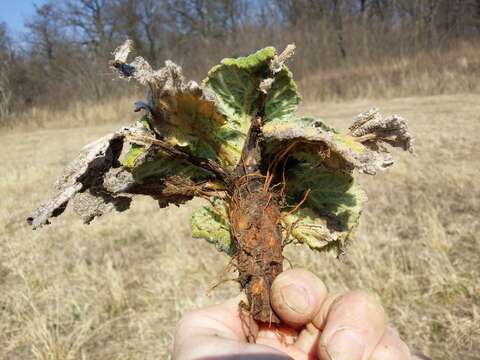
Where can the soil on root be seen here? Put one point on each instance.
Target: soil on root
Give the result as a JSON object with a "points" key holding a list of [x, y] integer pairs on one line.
{"points": [[256, 229]]}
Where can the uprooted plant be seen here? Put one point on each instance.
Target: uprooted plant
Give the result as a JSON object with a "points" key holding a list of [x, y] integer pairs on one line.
{"points": [[271, 177]]}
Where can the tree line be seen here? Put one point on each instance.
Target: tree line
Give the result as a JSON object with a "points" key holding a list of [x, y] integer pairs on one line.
{"points": [[63, 53]]}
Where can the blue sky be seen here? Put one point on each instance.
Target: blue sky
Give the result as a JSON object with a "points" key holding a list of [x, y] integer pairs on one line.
{"points": [[14, 12]]}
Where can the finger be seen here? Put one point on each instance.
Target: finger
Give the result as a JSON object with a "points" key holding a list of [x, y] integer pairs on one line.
{"points": [[276, 334], [391, 347], [225, 321], [352, 324], [282, 338], [307, 341], [296, 296], [309, 337]]}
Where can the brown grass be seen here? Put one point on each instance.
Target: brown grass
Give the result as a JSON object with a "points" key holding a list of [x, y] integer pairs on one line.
{"points": [[116, 288], [75, 115], [427, 73]]}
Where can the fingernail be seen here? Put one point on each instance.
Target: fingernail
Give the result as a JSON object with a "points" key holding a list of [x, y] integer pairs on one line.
{"points": [[296, 298], [345, 345]]}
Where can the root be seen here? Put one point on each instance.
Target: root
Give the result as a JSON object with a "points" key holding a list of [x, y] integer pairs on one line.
{"points": [[284, 180], [271, 168], [255, 227], [218, 283], [221, 281], [282, 338], [248, 325], [255, 220], [295, 209], [287, 240]]}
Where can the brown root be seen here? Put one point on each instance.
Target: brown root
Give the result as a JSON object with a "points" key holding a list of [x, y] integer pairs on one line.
{"points": [[255, 219]]}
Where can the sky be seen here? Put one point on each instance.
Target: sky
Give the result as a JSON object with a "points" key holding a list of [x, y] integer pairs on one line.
{"points": [[14, 12]]}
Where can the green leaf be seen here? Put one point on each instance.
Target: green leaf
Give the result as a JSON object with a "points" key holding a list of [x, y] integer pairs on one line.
{"points": [[321, 161], [212, 224], [254, 62], [164, 165], [147, 162], [131, 157], [160, 165], [331, 211], [283, 98], [195, 123], [234, 84]]}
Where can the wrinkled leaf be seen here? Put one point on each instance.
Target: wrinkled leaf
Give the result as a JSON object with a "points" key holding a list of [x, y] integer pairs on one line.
{"points": [[235, 84], [182, 113], [374, 130], [147, 161], [334, 150], [330, 212], [82, 173], [95, 183], [283, 97], [212, 224]]}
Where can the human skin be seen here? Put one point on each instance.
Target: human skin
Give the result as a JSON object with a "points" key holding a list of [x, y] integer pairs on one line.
{"points": [[317, 325]]}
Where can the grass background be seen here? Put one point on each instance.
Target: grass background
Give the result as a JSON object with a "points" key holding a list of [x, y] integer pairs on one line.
{"points": [[116, 288]]}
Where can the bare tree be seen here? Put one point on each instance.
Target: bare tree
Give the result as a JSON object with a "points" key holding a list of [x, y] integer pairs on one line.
{"points": [[205, 18], [151, 20], [337, 15], [5, 90], [93, 21], [44, 30]]}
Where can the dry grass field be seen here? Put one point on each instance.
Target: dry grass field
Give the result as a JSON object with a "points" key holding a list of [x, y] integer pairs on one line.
{"points": [[116, 288]]}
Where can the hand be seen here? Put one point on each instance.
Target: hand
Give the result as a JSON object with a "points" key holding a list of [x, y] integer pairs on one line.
{"points": [[318, 325]]}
